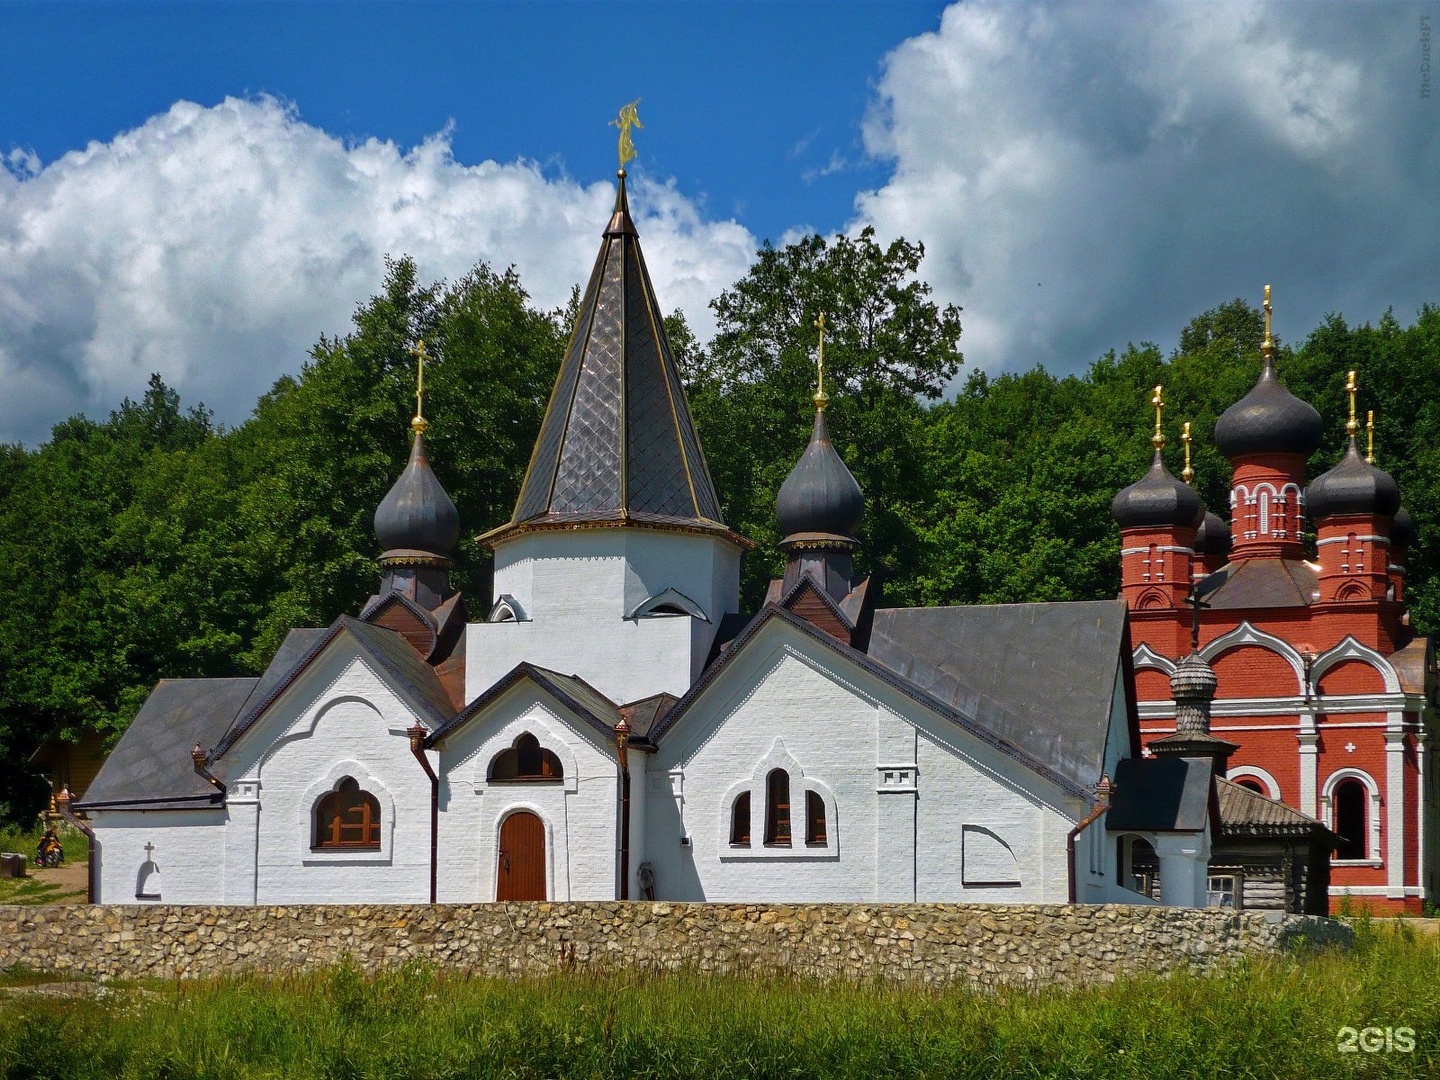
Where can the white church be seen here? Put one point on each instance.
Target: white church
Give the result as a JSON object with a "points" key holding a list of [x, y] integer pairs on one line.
{"points": [[614, 727]]}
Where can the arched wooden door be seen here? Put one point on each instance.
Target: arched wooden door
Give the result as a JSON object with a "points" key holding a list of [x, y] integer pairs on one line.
{"points": [[520, 872]]}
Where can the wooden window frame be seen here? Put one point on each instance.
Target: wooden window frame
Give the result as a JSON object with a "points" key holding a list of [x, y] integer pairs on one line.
{"points": [[333, 832], [740, 816], [526, 753], [777, 809], [816, 827]]}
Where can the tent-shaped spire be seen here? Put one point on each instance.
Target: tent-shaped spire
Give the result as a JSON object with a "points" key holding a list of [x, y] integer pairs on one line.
{"points": [[617, 445]]}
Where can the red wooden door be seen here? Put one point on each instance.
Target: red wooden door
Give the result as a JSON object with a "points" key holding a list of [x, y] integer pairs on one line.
{"points": [[520, 874]]}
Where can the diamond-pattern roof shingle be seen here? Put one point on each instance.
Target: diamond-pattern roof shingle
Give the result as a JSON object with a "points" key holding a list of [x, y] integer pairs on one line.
{"points": [[617, 442]]}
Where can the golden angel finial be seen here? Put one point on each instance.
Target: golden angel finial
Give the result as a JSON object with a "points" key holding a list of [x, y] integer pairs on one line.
{"points": [[1351, 386], [1187, 474], [1158, 400], [1267, 347], [418, 424], [821, 398], [627, 119], [1370, 436]]}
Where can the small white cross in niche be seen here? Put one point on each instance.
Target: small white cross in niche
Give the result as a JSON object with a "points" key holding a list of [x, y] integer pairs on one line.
{"points": [[1350, 748]]}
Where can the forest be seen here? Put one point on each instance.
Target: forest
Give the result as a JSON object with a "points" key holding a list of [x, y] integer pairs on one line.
{"points": [[157, 543]]}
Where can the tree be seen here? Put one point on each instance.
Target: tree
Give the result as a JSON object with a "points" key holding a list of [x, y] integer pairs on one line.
{"points": [[888, 346]]}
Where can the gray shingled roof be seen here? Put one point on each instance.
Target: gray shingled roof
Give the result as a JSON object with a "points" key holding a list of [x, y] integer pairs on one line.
{"points": [[390, 650], [1025, 755], [617, 442], [1261, 583], [1164, 794], [1040, 676], [1248, 813], [151, 766], [570, 690]]}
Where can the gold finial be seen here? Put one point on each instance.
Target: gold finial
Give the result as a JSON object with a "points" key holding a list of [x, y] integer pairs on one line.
{"points": [[821, 398], [1370, 436], [1267, 347], [1351, 425], [627, 119], [1187, 474], [1158, 400], [418, 424]]}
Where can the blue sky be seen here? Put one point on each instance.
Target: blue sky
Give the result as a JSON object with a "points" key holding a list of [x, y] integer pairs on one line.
{"points": [[203, 189]]}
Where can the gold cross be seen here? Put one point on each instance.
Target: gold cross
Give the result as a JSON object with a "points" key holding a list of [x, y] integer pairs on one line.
{"points": [[1187, 474], [821, 398], [627, 119], [1370, 436], [1157, 399], [418, 424], [1268, 346]]}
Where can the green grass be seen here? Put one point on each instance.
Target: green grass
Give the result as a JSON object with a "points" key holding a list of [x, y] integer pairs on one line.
{"points": [[35, 889], [1269, 1018]]}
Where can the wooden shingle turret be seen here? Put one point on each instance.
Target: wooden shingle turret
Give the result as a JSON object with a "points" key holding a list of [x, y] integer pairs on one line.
{"points": [[617, 445]]}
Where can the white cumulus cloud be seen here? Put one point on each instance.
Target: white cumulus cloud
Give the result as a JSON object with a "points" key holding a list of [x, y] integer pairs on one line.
{"points": [[215, 245], [1087, 174]]}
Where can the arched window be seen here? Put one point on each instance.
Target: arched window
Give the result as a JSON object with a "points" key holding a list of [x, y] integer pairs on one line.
{"points": [[1349, 799], [814, 818], [777, 808], [347, 818], [740, 821], [1251, 784], [1264, 512], [1137, 866], [526, 760]]}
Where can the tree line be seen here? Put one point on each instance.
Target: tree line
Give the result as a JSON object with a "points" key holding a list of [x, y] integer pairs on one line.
{"points": [[157, 543]]}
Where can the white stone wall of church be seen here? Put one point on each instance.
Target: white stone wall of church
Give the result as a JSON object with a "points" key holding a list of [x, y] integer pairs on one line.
{"points": [[901, 787], [340, 719], [578, 813], [576, 589], [186, 848]]}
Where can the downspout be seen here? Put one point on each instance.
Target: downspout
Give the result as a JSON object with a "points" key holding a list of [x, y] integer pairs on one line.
{"points": [[417, 735], [92, 866], [622, 751], [199, 757], [1102, 803]]}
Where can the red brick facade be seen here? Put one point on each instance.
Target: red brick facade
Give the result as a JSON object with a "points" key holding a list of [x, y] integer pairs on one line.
{"points": [[1322, 683]]}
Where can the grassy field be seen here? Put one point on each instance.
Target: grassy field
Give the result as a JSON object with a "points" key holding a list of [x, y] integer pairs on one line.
{"points": [[1270, 1018]]}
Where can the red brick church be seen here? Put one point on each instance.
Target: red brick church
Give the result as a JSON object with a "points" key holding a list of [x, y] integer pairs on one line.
{"points": [[1323, 685]]}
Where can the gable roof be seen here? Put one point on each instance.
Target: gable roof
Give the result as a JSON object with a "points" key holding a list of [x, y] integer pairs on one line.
{"points": [[1039, 676], [151, 766], [946, 710], [571, 691], [617, 444], [387, 649]]}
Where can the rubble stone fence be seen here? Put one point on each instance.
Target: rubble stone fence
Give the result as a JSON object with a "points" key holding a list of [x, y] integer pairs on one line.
{"points": [[911, 944]]}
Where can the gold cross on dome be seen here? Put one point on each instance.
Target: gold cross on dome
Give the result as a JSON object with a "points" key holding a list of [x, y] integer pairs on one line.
{"points": [[821, 398], [1268, 345], [1158, 400], [1187, 474], [418, 424], [627, 119], [1370, 436]]}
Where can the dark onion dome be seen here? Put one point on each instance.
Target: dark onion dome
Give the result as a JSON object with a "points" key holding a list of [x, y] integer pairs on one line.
{"points": [[1352, 487], [417, 514], [1402, 530], [1269, 420], [1213, 536], [1157, 499], [820, 495]]}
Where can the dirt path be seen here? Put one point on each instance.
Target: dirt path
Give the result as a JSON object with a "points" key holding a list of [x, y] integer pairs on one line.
{"points": [[67, 884]]}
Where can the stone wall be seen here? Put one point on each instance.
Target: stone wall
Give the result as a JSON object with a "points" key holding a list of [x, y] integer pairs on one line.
{"points": [[918, 944]]}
